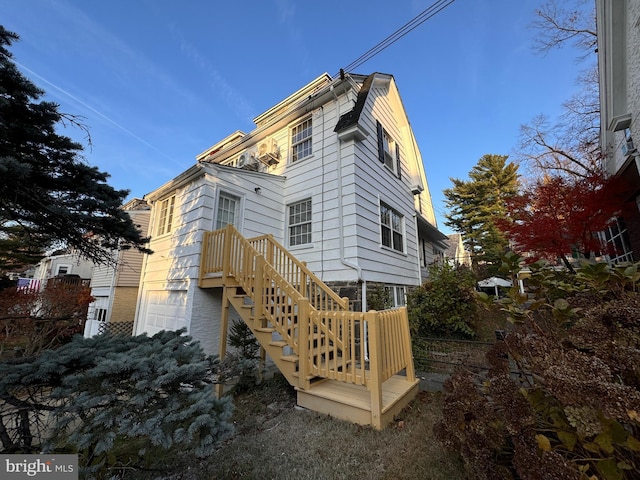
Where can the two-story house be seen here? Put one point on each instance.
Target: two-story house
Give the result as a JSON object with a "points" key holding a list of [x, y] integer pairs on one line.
{"points": [[330, 190], [618, 30]]}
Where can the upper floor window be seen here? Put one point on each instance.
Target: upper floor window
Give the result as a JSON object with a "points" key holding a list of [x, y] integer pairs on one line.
{"points": [[63, 270], [301, 140], [388, 151], [300, 223], [391, 227], [227, 210], [165, 217]]}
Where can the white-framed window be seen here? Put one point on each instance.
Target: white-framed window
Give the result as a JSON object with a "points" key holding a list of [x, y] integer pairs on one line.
{"points": [[227, 210], [391, 228], [301, 140], [100, 314], [299, 222], [165, 215], [396, 296], [62, 270], [617, 238], [389, 147], [388, 150]]}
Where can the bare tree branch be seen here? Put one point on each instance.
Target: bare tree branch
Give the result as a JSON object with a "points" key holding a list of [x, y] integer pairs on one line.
{"points": [[558, 24]]}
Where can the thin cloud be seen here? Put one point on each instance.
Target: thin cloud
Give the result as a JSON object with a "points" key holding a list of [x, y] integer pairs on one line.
{"points": [[287, 17], [111, 49], [231, 96], [97, 112]]}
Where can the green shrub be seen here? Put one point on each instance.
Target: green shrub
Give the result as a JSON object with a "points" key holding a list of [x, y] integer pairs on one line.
{"points": [[378, 298], [242, 365], [445, 305]]}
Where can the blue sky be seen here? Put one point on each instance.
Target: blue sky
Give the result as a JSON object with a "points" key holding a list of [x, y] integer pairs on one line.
{"points": [[158, 81]]}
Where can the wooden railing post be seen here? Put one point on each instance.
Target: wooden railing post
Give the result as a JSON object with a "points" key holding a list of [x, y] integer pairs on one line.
{"points": [[303, 342], [258, 290], [269, 250], [205, 252], [226, 256], [406, 335], [303, 282], [224, 332], [375, 365]]}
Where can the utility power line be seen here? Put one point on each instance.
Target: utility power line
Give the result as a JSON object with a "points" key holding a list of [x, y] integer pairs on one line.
{"points": [[418, 20]]}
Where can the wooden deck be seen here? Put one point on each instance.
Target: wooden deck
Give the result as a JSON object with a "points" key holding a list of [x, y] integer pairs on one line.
{"points": [[352, 403]]}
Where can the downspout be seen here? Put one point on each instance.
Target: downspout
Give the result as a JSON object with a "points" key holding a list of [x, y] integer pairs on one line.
{"points": [[343, 258]]}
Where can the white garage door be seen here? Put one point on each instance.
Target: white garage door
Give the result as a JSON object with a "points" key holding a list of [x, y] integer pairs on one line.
{"points": [[165, 310]]}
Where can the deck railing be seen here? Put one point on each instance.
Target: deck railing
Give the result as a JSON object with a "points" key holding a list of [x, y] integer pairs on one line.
{"points": [[354, 347]]}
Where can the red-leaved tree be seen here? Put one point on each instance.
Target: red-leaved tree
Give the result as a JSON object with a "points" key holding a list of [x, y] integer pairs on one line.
{"points": [[558, 215], [36, 320]]}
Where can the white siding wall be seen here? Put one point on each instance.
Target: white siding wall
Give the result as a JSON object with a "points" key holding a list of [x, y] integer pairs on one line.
{"points": [[173, 268], [372, 183], [174, 265]]}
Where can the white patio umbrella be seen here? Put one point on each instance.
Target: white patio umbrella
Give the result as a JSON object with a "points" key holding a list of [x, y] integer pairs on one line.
{"points": [[494, 282]]}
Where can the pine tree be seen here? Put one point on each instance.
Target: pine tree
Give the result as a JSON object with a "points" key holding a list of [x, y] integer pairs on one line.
{"points": [[48, 193], [476, 203]]}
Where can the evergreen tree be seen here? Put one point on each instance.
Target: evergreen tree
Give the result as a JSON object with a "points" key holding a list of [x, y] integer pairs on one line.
{"points": [[115, 401], [475, 204], [48, 193]]}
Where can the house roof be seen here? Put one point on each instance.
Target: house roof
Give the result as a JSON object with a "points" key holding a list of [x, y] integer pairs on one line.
{"points": [[311, 96], [351, 118], [431, 232]]}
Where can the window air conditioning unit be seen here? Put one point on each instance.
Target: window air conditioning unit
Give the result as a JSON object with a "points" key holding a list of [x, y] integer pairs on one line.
{"points": [[416, 189], [628, 147], [268, 152], [247, 160]]}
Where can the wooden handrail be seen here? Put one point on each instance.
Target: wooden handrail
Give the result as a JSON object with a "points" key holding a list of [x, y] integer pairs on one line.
{"points": [[298, 274]]}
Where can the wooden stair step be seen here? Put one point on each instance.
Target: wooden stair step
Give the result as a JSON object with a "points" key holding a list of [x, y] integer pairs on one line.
{"points": [[279, 343], [293, 358], [265, 329]]}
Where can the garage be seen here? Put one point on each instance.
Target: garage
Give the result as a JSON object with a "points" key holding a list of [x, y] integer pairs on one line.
{"points": [[163, 310]]}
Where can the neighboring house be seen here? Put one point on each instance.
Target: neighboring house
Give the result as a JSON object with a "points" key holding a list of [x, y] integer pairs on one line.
{"points": [[114, 287], [330, 188], [618, 29], [455, 253], [62, 264]]}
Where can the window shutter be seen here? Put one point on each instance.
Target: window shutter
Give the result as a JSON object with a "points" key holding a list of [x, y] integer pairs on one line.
{"points": [[380, 142], [398, 162]]}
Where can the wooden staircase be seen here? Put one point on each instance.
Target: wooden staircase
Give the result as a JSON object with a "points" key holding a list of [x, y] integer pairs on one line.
{"points": [[351, 365]]}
